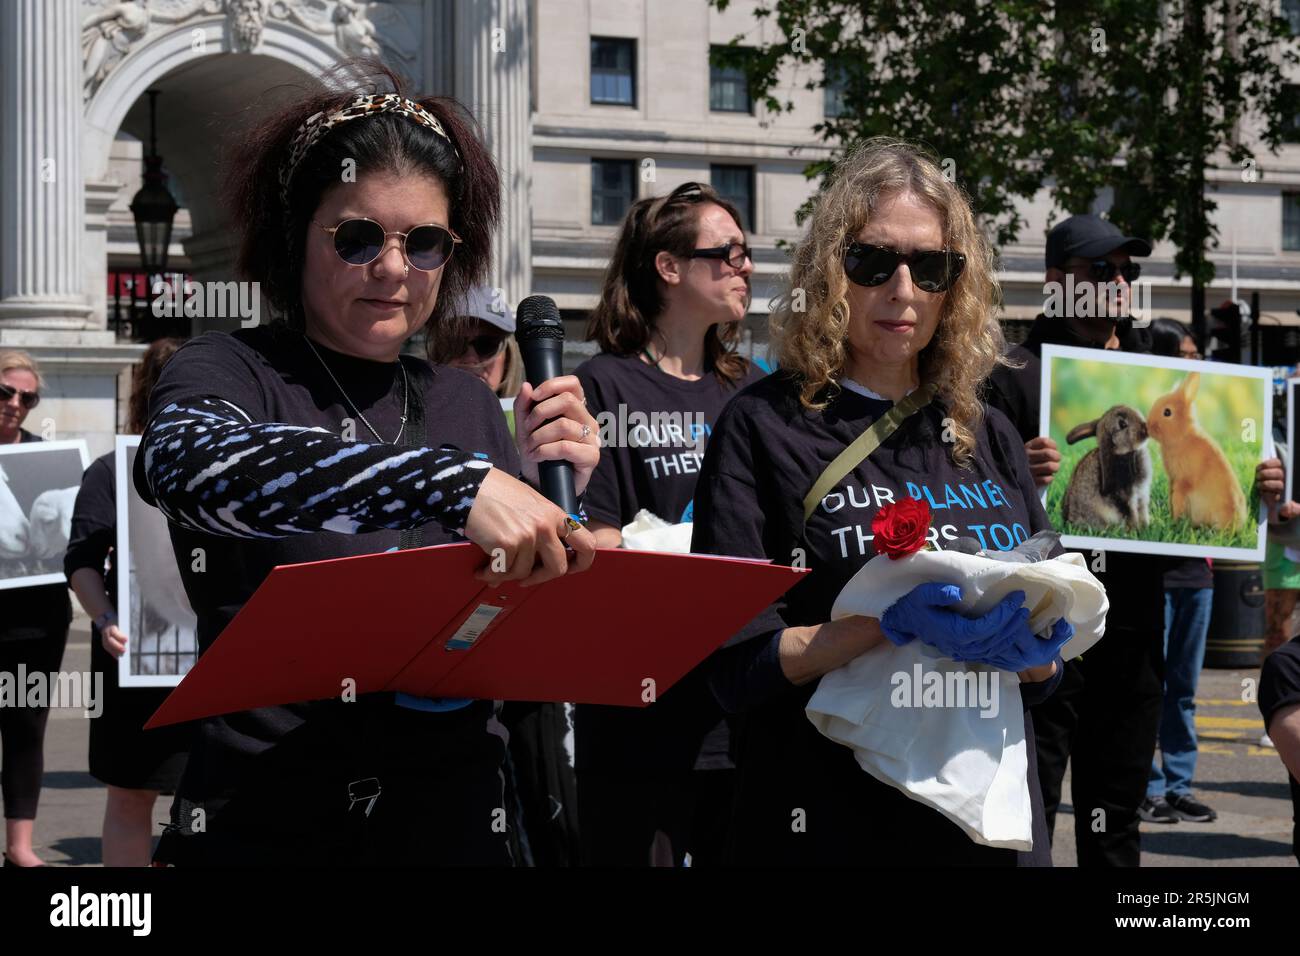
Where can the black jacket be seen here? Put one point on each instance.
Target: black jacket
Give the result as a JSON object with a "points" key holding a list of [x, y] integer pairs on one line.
{"points": [[1134, 582]]}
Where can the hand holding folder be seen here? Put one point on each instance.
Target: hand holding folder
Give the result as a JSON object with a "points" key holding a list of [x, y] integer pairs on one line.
{"points": [[418, 621]]}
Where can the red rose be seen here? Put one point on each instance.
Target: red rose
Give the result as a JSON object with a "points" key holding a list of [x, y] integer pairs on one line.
{"points": [[900, 529]]}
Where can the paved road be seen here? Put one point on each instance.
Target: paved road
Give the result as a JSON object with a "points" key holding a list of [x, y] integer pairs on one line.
{"points": [[1246, 783]]}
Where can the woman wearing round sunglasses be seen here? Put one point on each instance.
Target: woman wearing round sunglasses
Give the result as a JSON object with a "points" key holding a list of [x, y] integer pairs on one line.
{"points": [[892, 298], [315, 438], [33, 633], [655, 784]]}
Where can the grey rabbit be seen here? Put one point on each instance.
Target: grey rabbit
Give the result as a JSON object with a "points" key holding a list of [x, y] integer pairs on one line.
{"points": [[1112, 484]]}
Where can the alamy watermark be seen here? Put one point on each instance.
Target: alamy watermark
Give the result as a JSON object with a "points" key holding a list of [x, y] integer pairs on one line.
{"points": [[70, 690], [620, 428], [921, 688], [1088, 300], [183, 298]]}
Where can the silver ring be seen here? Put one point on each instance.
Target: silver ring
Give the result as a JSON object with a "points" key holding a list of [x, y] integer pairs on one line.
{"points": [[586, 430], [406, 270]]}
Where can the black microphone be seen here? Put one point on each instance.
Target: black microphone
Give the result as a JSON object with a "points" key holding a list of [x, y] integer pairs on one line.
{"points": [[540, 334]]}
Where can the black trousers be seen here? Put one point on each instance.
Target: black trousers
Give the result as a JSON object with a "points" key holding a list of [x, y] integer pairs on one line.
{"points": [[440, 797], [1103, 719], [622, 814], [22, 729], [541, 786]]}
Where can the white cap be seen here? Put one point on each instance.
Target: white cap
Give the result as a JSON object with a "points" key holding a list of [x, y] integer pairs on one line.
{"points": [[490, 305]]}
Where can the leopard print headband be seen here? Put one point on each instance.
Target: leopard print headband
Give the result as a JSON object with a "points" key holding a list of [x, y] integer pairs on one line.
{"points": [[317, 125]]}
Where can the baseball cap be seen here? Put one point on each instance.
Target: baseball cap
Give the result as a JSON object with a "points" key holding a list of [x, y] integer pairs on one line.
{"points": [[1089, 237], [490, 305]]}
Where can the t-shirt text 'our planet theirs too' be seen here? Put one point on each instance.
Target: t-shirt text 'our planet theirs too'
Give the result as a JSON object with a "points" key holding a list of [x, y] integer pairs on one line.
{"points": [[620, 428], [946, 501]]}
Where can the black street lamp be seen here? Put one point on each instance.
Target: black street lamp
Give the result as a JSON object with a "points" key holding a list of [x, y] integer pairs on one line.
{"points": [[153, 207]]}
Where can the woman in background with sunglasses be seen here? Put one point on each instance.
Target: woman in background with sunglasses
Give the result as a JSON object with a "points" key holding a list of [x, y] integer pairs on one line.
{"points": [[482, 342], [891, 304], [655, 784], [33, 634], [313, 438]]}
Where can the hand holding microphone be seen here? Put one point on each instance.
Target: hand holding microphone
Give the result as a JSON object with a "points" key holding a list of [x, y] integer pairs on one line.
{"points": [[559, 447], [558, 439]]}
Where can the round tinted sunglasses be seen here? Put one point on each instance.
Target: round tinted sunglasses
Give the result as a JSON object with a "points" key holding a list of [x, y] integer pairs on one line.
{"points": [[360, 241], [29, 400], [931, 271], [1103, 270], [485, 346]]}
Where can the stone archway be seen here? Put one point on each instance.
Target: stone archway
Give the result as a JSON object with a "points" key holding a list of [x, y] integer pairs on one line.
{"points": [[206, 88]]}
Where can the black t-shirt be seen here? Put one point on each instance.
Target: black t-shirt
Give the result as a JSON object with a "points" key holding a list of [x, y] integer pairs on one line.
{"points": [[1279, 686], [271, 374], [1189, 573], [93, 542], [654, 429], [766, 453], [38, 611], [1134, 582]]}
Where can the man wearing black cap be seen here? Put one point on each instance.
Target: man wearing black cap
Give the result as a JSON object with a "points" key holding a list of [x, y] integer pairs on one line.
{"points": [[1106, 713], [1107, 710]]}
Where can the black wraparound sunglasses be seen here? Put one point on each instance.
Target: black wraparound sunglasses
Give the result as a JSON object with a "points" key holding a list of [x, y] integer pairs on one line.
{"points": [[932, 271], [733, 254], [29, 400], [360, 241]]}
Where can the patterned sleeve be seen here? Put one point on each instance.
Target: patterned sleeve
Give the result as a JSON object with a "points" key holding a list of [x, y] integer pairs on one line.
{"points": [[210, 468]]}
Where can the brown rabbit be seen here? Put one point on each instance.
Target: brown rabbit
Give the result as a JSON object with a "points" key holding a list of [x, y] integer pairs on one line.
{"points": [[1202, 486], [1111, 485]]}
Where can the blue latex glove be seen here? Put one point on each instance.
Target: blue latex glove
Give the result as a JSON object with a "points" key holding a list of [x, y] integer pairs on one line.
{"points": [[1021, 649], [928, 612]]}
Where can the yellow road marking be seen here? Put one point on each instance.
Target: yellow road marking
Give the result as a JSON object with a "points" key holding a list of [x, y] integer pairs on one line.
{"points": [[1224, 702], [1246, 723]]}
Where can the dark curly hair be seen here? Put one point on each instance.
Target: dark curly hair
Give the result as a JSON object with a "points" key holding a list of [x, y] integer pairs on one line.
{"points": [[382, 143]]}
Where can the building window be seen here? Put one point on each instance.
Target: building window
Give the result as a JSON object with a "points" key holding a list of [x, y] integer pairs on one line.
{"points": [[736, 184], [833, 91], [1291, 222], [728, 88], [612, 190], [1291, 113], [1291, 13], [613, 71]]}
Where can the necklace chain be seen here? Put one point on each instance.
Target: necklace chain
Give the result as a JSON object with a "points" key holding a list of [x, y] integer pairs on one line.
{"points": [[406, 394]]}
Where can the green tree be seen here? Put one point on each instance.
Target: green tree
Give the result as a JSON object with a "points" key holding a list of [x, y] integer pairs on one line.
{"points": [[1018, 95]]}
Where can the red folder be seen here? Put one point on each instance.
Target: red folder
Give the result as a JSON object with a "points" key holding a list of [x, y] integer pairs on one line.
{"points": [[418, 621]]}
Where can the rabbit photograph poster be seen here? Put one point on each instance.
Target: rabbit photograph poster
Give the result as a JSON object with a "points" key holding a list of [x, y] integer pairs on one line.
{"points": [[1158, 454]]}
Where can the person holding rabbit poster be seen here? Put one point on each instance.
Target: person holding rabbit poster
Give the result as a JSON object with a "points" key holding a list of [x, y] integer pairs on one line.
{"points": [[1089, 437]]}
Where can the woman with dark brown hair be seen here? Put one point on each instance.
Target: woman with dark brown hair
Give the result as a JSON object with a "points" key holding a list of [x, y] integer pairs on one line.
{"points": [[135, 764], [365, 216], [654, 784]]}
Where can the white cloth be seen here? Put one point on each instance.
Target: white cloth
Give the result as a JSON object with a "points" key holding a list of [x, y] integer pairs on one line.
{"points": [[968, 762], [649, 532]]}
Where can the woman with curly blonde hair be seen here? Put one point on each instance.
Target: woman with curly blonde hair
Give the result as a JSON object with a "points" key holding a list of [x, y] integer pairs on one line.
{"points": [[887, 329]]}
